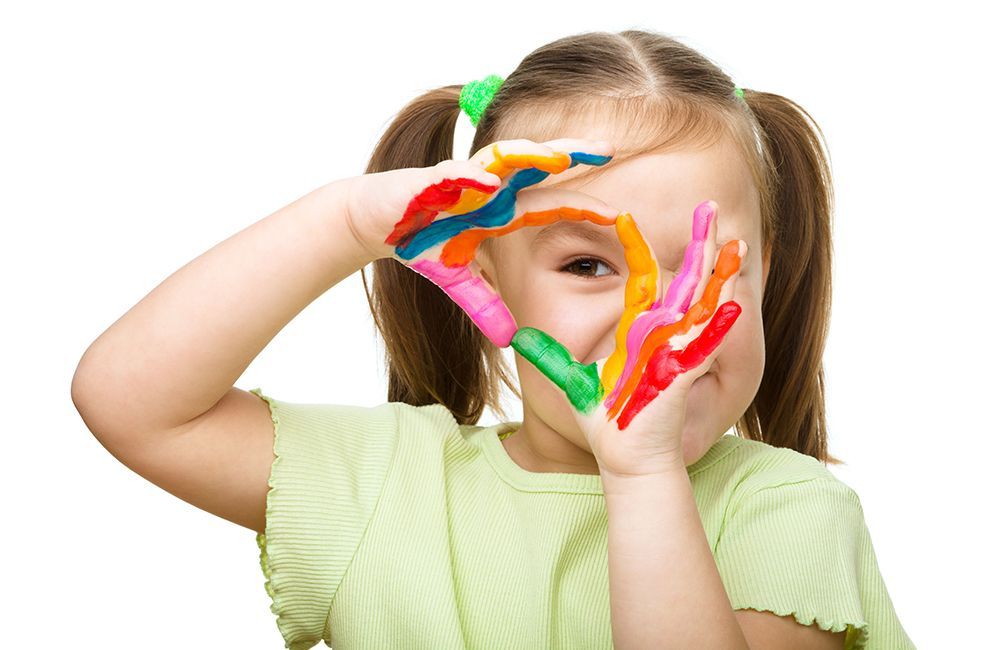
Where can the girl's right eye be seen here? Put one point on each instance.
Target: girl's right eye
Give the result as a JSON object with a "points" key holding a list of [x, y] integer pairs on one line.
{"points": [[588, 266]]}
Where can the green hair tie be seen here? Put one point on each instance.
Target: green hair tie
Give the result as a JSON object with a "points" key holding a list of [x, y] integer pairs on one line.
{"points": [[477, 95]]}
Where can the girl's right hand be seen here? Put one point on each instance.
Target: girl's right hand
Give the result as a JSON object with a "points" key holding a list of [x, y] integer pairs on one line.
{"points": [[432, 219]]}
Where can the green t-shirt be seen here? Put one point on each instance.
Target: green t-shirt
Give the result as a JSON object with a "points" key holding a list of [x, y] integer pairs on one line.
{"points": [[395, 527]]}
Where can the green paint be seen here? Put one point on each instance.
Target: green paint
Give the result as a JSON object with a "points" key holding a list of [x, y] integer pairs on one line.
{"points": [[580, 383]]}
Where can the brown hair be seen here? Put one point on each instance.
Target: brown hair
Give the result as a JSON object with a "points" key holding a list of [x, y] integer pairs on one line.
{"points": [[655, 93]]}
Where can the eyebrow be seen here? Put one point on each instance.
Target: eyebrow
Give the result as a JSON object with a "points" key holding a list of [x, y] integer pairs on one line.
{"points": [[564, 230]]}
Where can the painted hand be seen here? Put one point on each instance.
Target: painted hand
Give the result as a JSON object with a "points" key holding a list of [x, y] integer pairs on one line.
{"points": [[446, 221], [631, 404]]}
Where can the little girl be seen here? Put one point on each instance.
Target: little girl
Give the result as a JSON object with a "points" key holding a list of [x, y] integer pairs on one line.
{"points": [[618, 511]]}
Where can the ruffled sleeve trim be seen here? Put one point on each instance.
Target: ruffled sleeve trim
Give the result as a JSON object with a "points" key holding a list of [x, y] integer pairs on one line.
{"points": [[857, 633], [798, 549], [329, 468]]}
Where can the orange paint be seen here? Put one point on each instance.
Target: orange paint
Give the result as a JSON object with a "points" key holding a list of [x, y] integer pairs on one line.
{"points": [[726, 266], [461, 249]]}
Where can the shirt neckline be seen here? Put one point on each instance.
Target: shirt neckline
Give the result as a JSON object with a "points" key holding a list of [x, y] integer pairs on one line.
{"points": [[521, 479]]}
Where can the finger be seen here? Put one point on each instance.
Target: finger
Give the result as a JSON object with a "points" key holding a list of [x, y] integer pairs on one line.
{"points": [[443, 193], [642, 289], [506, 157], [698, 352], [538, 206], [466, 287], [492, 178], [679, 294], [581, 151], [580, 383], [725, 301], [728, 291], [708, 257], [726, 266], [523, 163], [531, 162], [667, 364], [699, 256]]}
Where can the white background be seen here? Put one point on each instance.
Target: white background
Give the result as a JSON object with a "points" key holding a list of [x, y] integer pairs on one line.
{"points": [[136, 136]]}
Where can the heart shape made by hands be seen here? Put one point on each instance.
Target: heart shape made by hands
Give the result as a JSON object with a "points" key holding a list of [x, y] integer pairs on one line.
{"points": [[658, 336]]}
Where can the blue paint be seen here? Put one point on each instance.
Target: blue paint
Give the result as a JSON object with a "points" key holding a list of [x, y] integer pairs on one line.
{"points": [[498, 212]]}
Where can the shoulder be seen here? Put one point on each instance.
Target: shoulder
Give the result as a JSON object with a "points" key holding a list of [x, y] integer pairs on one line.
{"points": [[790, 508], [428, 418], [431, 426], [386, 419], [793, 541], [751, 466]]}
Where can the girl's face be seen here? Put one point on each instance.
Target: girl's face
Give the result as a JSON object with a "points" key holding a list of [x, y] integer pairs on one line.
{"points": [[568, 279]]}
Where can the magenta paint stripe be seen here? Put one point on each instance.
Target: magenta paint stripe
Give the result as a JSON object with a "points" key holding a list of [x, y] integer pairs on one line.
{"points": [[474, 296], [677, 300], [643, 324], [681, 290]]}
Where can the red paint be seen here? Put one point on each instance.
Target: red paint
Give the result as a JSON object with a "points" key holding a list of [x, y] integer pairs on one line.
{"points": [[425, 206], [665, 364]]}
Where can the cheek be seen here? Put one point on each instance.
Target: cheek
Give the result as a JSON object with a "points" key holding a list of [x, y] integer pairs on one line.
{"points": [[739, 366], [744, 343], [583, 321], [742, 354], [718, 399]]}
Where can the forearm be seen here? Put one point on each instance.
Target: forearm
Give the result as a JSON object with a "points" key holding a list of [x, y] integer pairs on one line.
{"points": [[176, 353], [665, 588]]}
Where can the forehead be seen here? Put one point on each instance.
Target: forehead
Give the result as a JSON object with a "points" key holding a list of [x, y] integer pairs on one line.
{"points": [[661, 190]]}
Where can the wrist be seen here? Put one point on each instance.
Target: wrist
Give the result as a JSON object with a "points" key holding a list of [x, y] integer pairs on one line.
{"points": [[625, 484], [343, 196]]}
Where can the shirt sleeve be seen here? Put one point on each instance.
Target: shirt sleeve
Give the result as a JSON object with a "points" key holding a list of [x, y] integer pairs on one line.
{"points": [[802, 549], [329, 467]]}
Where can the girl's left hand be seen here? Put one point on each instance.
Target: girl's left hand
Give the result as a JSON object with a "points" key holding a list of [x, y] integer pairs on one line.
{"points": [[631, 404]]}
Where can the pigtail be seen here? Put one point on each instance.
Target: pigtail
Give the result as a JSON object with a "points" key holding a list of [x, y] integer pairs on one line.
{"points": [[789, 409], [434, 353]]}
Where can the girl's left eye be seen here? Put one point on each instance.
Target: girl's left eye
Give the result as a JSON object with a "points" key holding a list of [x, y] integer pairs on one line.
{"points": [[588, 266]]}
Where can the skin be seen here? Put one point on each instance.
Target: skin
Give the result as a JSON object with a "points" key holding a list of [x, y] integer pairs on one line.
{"points": [[581, 305]]}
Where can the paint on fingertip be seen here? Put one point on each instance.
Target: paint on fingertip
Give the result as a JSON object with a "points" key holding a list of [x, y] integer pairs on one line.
{"points": [[703, 214]]}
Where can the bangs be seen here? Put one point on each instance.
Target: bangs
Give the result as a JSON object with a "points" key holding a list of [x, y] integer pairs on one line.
{"points": [[642, 124], [636, 125]]}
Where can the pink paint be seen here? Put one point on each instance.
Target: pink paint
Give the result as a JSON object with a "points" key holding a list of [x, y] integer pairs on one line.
{"points": [[681, 290], [666, 364], [644, 323], [474, 296], [678, 297]]}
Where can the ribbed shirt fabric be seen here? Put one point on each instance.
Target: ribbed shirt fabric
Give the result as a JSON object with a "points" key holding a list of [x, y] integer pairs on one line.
{"points": [[396, 527]]}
